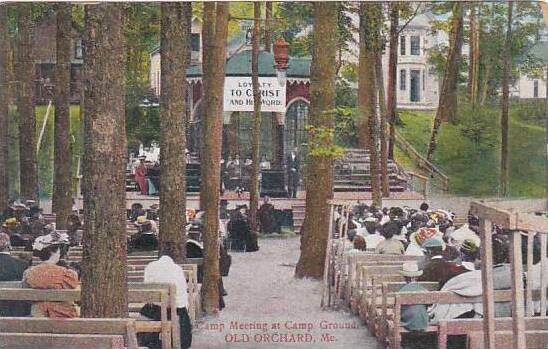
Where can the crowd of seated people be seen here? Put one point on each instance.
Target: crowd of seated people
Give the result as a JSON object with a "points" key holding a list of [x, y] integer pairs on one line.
{"points": [[56, 272], [447, 255]]}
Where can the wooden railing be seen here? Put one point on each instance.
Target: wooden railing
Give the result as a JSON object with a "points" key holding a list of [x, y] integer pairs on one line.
{"points": [[423, 180], [421, 161]]}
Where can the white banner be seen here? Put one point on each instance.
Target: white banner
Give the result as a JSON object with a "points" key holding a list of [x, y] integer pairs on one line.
{"points": [[238, 94]]}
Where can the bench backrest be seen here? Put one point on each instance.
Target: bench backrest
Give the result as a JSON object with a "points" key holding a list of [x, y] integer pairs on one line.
{"points": [[60, 341], [503, 339], [122, 327], [157, 295], [463, 326]]}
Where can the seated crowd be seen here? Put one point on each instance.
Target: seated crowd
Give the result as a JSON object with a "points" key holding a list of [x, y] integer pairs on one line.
{"points": [[447, 255], [25, 228]]}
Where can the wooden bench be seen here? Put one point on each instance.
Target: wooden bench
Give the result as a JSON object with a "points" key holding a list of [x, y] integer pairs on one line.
{"points": [[139, 296], [59, 341], [24, 332], [395, 330], [353, 262], [455, 327], [386, 311], [504, 339], [193, 288], [364, 287]]}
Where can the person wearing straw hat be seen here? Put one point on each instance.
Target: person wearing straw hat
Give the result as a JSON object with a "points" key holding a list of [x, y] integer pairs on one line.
{"points": [[49, 275], [413, 317]]}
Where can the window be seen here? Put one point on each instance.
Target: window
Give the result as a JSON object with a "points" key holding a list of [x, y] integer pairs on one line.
{"points": [[415, 45], [296, 120], [423, 80], [535, 89], [195, 42], [403, 78], [78, 48], [402, 45]]}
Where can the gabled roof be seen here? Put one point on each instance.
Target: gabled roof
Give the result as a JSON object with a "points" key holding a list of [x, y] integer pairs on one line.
{"points": [[240, 65]]}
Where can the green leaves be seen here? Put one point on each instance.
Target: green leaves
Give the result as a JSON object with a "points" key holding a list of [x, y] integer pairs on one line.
{"points": [[321, 142]]}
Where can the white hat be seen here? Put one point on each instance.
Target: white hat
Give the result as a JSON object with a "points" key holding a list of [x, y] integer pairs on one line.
{"points": [[410, 269], [464, 233], [54, 238]]}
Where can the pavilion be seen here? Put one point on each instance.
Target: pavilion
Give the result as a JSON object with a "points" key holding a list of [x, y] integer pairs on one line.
{"points": [[281, 130]]}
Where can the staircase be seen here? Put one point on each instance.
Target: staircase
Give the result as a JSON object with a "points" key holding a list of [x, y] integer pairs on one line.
{"points": [[352, 173], [298, 216]]}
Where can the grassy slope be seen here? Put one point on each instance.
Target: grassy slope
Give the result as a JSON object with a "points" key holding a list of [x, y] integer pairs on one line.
{"points": [[474, 170], [45, 156]]}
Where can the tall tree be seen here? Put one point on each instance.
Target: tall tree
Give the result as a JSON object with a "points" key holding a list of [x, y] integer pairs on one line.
{"points": [[385, 185], [214, 41], [447, 106], [173, 48], [104, 270], [319, 181], [25, 103], [256, 132], [62, 178], [506, 69], [370, 46], [391, 98], [4, 106], [473, 56], [268, 26]]}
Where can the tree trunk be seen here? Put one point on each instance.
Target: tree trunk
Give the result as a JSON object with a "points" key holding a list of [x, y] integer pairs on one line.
{"points": [[319, 181], [391, 98], [506, 69], [4, 107], [385, 185], [214, 40], [173, 48], [104, 270], [25, 104], [447, 106], [485, 83], [370, 45], [473, 57], [268, 26], [232, 135], [256, 132], [62, 178]]}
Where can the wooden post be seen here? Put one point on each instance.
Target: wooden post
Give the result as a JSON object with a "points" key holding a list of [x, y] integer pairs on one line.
{"points": [[543, 266], [530, 311], [326, 283], [518, 325], [487, 281]]}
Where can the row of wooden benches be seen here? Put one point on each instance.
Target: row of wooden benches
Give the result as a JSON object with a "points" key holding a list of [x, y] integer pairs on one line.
{"points": [[136, 265], [369, 285], [138, 295]]}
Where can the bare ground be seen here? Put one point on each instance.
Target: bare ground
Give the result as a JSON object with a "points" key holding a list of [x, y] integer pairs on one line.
{"points": [[263, 292]]}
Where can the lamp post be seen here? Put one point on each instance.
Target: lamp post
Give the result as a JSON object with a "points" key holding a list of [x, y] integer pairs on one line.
{"points": [[281, 58]]}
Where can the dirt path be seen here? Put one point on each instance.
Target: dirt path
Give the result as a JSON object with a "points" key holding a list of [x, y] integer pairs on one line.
{"points": [[262, 292]]}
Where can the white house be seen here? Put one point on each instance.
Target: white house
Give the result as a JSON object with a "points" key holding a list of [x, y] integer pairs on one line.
{"points": [[529, 88], [416, 86], [195, 55]]}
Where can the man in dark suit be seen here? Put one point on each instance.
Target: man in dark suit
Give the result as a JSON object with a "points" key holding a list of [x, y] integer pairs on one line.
{"points": [[11, 269], [293, 163], [437, 269]]}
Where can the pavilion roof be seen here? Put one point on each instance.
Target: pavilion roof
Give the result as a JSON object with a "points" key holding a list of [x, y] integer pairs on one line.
{"points": [[240, 65]]}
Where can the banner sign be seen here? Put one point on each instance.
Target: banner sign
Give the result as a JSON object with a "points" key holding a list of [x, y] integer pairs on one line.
{"points": [[238, 94]]}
